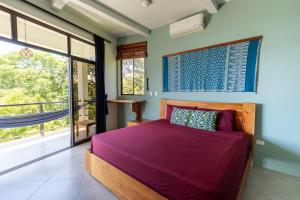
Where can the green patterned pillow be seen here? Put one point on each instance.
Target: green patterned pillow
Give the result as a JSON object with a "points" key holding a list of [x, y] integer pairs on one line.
{"points": [[205, 120], [180, 116]]}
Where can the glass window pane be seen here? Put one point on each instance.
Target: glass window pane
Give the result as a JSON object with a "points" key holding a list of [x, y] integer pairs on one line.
{"points": [[35, 34], [43, 77], [127, 76], [139, 76], [82, 50], [5, 27], [91, 81], [84, 91]]}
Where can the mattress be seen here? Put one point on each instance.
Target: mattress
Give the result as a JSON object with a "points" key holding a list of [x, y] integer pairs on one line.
{"points": [[176, 161]]}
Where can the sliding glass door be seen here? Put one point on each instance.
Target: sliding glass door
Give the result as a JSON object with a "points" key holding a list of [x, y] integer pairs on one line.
{"points": [[34, 104], [47, 89], [84, 94]]}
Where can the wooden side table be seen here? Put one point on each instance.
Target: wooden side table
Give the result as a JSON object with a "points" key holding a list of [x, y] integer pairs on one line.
{"points": [[135, 106], [87, 124], [137, 122]]}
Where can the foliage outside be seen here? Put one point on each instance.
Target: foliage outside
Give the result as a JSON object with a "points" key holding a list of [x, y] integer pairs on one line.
{"points": [[91, 88], [41, 78], [133, 76]]}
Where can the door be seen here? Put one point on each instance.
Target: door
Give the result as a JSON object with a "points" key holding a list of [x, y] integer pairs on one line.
{"points": [[83, 101], [34, 105]]}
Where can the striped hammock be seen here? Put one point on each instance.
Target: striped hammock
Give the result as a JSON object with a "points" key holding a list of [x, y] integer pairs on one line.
{"points": [[33, 119]]}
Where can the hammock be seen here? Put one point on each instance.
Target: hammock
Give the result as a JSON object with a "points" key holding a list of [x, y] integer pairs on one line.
{"points": [[31, 119], [34, 119]]}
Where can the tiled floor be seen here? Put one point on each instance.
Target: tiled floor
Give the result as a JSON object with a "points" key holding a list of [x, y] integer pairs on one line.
{"points": [[20, 151], [62, 177]]}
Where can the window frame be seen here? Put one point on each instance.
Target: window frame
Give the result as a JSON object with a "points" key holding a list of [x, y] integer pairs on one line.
{"points": [[10, 23], [14, 37], [14, 40], [21, 21], [121, 69], [76, 56]]}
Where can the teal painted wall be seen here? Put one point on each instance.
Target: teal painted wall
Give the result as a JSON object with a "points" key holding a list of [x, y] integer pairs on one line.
{"points": [[278, 93]]}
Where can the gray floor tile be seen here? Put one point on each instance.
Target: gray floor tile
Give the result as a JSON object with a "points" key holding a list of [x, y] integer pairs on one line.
{"points": [[271, 185], [72, 170], [95, 190], [63, 177], [21, 152], [20, 190], [39, 171], [58, 190], [252, 192]]}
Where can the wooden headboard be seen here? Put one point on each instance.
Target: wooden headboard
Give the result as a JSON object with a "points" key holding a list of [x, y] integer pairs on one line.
{"points": [[244, 116]]}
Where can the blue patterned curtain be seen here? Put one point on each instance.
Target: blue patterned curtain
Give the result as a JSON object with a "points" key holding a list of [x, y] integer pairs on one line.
{"points": [[224, 68]]}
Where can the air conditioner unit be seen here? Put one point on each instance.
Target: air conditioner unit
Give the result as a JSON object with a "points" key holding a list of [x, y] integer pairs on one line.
{"points": [[187, 25]]}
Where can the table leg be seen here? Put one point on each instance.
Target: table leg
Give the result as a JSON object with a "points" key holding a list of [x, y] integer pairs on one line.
{"points": [[87, 131], [77, 129], [136, 108]]}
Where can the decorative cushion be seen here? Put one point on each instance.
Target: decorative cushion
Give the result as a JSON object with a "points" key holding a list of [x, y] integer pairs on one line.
{"points": [[201, 119], [180, 116], [170, 110], [225, 119]]}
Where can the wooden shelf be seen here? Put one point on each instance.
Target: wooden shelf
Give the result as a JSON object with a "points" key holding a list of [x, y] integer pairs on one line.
{"points": [[135, 106]]}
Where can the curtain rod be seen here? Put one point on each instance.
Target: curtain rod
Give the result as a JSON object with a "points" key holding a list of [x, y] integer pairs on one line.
{"points": [[60, 18]]}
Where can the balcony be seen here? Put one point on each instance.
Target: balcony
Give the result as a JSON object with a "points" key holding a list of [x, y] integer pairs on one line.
{"points": [[28, 143], [21, 151]]}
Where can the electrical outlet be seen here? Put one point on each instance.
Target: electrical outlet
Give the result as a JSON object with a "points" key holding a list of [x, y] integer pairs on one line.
{"points": [[260, 142], [155, 93], [150, 94]]}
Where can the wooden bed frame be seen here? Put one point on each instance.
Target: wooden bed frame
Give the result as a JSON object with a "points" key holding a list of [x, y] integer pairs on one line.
{"points": [[128, 188]]}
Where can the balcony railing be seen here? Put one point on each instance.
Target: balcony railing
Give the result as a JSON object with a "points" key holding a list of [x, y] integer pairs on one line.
{"points": [[40, 108]]}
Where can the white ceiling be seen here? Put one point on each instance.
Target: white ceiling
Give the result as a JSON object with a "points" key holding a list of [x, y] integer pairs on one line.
{"points": [[159, 13], [105, 24], [127, 17]]}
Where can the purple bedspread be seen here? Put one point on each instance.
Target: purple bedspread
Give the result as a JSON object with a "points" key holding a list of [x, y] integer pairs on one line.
{"points": [[178, 162]]}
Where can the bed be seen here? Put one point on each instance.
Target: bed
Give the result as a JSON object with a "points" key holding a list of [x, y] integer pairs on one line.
{"points": [[159, 160]]}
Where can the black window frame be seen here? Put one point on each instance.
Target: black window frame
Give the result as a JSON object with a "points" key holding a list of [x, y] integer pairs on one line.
{"points": [[14, 30], [14, 40], [121, 69]]}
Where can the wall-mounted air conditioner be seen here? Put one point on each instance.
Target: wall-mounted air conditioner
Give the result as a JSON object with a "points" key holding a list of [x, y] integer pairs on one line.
{"points": [[187, 25]]}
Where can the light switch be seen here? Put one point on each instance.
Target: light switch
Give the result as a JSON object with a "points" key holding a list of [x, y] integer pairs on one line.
{"points": [[260, 142]]}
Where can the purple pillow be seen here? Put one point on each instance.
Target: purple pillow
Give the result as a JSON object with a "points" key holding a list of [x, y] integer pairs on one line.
{"points": [[225, 119], [170, 110]]}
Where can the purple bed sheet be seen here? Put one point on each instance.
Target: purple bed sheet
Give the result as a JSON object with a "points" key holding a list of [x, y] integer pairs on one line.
{"points": [[178, 162]]}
